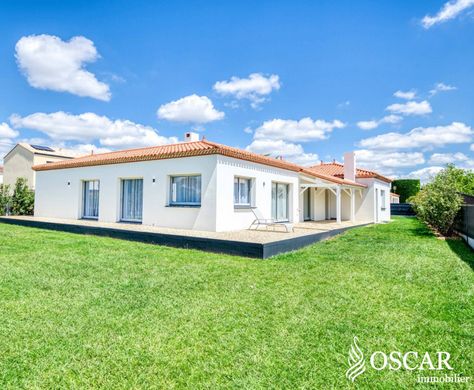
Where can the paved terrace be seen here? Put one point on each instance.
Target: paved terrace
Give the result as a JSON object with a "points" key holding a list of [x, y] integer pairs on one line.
{"points": [[260, 243]]}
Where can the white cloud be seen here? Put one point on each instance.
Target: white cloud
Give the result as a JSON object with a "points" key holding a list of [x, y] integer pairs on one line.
{"points": [[373, 124], [386, 161], [368, 125], [50, 63], [472, 147], [289, 151], [410, 108], [84, 149], [450, 10], [441, 87], [446, 158], [303, 130], [254, 88], [345, 104], [7, 132], [424, 174], [88, 127], [248, 130], [192, 109], [424, 137], [408, 95]]}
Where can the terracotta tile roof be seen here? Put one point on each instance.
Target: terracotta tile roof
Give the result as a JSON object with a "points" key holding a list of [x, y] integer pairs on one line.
{"points": [[337, 169], [185, 149], [394, 194]]}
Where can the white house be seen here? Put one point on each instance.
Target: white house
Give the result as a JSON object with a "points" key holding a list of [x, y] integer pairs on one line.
{"points": [[203, 185], [394, 198], [1, 174], [19, 161]]}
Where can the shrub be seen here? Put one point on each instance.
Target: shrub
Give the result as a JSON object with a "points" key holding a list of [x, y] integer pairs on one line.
{"points": [[5, 198], [406, 188], [439, 201], [23, 198], [463, 179]]}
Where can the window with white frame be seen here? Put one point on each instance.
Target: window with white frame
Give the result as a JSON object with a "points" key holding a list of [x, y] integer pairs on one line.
{"points": [[185, 190], [382, 199], [90, 201], [132, 200], [242, 191]]}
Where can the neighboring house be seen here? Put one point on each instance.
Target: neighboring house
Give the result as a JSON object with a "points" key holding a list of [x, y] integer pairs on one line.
{"points": [[1, 174], [19, 161], [203, 185], [394, 198]]}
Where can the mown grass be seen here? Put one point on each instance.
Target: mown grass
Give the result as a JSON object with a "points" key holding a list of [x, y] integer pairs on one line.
{"points": [[89, 312]]}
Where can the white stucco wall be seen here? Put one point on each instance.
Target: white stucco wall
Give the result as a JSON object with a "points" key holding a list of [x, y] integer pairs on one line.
{"points": [[59, 193], [230, 218], [55, 198], [367, 209], [318, 201]]}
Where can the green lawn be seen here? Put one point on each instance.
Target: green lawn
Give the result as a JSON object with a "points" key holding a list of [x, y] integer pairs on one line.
{"points": [[81, 311]]}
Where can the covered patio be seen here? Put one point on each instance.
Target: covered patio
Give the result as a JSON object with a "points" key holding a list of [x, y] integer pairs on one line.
{"points": [[327, 201]]}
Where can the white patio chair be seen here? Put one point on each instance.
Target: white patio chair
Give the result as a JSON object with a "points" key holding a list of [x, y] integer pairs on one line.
{"points": [[268, 222]]}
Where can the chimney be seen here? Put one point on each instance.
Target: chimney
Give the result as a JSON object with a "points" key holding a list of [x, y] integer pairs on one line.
{"points": [[349, 166], [191, 137]]}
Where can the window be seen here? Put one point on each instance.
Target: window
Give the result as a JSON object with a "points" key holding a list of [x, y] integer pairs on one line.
{"points": [[382, 199], [185, 190], [242, 188], [90, 201], [132, 200], [280, 202]]}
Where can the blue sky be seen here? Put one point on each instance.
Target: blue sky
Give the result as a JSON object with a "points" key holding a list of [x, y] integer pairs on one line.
{"points": [[306, 80]]}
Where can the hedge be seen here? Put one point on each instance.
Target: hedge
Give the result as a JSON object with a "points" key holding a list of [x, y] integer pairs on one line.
{"points": [[406, 188]]}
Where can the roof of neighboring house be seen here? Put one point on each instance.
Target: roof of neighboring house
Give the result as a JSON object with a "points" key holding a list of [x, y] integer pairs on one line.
{"points": [[184, 149], [337, 169], [43, 150], [394, 194]]}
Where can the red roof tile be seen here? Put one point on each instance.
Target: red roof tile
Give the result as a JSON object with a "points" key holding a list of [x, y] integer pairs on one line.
{"points": [[185, 149], [337, 169]]}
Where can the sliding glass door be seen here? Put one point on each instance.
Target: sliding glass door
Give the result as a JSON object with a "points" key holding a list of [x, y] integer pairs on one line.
{"points": [[280, 202], [90, 202], [132, 200]]}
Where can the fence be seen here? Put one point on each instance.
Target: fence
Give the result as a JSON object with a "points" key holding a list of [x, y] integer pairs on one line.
{"points": [[464, 223], [401, 209]]}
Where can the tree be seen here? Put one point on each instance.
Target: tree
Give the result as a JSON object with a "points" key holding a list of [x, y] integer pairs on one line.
{"points": [[463, 179], [5, 198], [439, 201], [406, 188], [23, 198]]}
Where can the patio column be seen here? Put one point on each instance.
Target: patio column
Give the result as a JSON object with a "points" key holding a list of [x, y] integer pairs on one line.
{"points": [[338, 204], [352, 205]]}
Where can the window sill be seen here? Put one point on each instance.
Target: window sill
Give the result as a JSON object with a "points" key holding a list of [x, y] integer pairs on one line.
{"points": [[192, 206], [243, 207], [136, 222], [90, 218]]}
